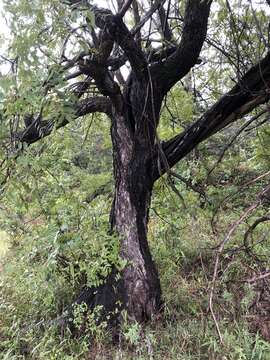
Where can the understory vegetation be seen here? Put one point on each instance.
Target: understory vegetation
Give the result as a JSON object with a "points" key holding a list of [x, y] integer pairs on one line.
{"points": [[56, 214]]}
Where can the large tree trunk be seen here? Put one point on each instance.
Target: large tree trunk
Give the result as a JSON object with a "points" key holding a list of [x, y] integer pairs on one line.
{"points": [[133, 189]]}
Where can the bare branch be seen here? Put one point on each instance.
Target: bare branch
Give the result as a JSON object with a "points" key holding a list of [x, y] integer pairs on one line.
{"points": [[253, 226], [195, 187], [147, 16], [165, 28], [137, 19], [235, 136], [257, 278], [125, 7], [125, 40]]}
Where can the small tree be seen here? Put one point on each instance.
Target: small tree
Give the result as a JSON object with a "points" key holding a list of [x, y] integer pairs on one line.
{"points": [[104, 42]]}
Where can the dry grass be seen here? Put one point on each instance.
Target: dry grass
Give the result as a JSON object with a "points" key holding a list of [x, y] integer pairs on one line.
{"points": [[4, 244]]}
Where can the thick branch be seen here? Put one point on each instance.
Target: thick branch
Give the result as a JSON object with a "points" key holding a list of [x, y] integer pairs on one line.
{"points": [[186, 55], [114, 27], [95, 104], [103, 79], [252, 90], [38, 128], [125, 40], [156, 56]]}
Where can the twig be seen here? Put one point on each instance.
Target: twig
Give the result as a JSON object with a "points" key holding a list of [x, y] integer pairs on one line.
{"points": [[232, 140], [221, 246], [196, 188], [256, 278], [253, 226], [147, 16], [241, 188]]}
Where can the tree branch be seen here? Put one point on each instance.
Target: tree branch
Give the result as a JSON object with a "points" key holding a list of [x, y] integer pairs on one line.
{"points": [[137, 19], [38, 128], [125, 7], [125, 40], [164, 26], [251, 91], [235, 136], [188, 51], [114, 27], [253, 226], [156, 5]]}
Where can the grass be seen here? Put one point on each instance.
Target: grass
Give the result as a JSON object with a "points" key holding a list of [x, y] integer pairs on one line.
{"points": [[4, 244], [33, 291]]}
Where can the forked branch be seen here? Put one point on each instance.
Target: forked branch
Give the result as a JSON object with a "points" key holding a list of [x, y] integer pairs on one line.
{"points": [[193, 37]]}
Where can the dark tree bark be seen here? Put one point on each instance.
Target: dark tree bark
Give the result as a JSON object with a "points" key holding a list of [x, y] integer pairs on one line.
{"points": [[138, 158], [133, 136]]}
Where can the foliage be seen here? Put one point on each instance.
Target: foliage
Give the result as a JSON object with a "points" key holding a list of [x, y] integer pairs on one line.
{"points": [[59, 240]]}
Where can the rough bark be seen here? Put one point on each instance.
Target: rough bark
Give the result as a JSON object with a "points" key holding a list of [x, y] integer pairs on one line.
{"points": [[130, 219]]}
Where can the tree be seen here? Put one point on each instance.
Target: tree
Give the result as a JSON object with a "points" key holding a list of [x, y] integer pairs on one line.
{"points": [[133, 104]]}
